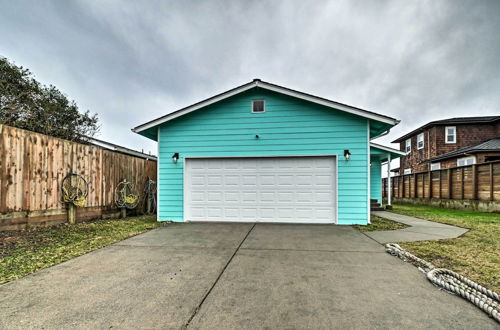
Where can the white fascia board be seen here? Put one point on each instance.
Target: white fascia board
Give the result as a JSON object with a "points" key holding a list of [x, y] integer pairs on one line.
{"points": [[389, 149], [328, 103], [274, 88], [193, 108]]}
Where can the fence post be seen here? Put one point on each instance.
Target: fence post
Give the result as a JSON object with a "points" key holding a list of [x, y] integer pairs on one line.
{"points": [[392, 187], [474, 182], [71, 213], [415, 186], [463, 186], [429, 173], [450, 194], [440, 184], [491, 182]]}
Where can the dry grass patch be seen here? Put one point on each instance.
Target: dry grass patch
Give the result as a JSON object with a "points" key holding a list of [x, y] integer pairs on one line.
{"points": [[27, 251], [476, 254]]}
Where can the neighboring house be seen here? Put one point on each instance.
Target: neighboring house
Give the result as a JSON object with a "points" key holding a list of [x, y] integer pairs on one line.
{"points": [[483, 152], [450, 143], [265, 153]]}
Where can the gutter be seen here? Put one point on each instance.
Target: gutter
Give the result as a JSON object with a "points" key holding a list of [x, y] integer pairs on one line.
{"points": [[435, 159]]}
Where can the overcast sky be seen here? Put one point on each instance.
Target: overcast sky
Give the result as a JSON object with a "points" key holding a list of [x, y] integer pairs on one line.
{"points": [[133, 61]]}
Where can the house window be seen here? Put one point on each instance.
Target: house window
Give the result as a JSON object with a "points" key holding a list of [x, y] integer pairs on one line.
{"points": [[451, 134], [420, 141], [466, 161], [435, 166], [408, 146], [258, 106], [407, 171]]}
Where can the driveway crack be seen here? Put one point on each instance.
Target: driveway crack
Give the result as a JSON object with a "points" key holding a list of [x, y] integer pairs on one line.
{"points": [[217, 279]]}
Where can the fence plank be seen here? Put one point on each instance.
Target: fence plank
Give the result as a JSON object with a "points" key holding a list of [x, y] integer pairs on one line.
{"points": [[474, 182], [492, 197]]}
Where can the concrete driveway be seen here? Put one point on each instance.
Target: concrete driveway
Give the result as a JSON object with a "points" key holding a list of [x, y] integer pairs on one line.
{"points": [[228, 276]]}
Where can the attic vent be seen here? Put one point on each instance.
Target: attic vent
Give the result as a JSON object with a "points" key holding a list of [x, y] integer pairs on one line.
{"points": [[258, 106]]}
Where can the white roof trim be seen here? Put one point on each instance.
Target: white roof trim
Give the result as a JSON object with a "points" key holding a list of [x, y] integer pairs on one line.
{"points": [[271, 87], [389, 149]]}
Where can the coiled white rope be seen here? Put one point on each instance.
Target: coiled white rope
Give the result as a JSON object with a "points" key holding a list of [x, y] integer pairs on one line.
{"points": [[487, 300]]}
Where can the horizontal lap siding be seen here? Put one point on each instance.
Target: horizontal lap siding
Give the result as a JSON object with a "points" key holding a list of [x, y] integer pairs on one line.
{"points": [[288, 127], [376, 180]]}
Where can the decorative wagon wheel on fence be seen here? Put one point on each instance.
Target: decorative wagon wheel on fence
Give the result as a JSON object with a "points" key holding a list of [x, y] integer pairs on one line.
{"points": [[126, 196], [74, 191]]}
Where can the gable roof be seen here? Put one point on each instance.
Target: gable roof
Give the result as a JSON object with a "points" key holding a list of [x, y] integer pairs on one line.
{"points": [[450, 121], [490, 145], [271, 87]]}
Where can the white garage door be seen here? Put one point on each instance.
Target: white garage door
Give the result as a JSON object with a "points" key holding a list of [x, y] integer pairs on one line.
{"points": [[278, 189]]}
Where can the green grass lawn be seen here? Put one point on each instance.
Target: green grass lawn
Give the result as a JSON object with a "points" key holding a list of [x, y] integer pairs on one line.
{"points": [[476, 254], [378, 223], [27, 251]]}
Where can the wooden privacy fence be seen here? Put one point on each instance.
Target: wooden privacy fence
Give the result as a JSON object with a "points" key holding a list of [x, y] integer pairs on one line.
{"points": [[480, 182], [32, 167]]}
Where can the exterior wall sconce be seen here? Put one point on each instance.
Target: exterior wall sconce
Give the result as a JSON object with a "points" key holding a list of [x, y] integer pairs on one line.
{"points": [[175, 158], [347, 155]]}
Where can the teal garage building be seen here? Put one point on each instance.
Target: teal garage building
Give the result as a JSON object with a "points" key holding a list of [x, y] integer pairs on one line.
{"points": [[266, 153]]}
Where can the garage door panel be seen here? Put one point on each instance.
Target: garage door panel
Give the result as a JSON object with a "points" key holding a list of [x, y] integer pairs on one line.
{"points": [[231, 180], [267, 197], [215, 196], [231, 197], [285, 196], [197, 212], [267, 214], [231, 213], [249, 180], [267, 180], [284, 189], [198, 180], [197, 196], [248, 213], [304, 196], [214, 213]]}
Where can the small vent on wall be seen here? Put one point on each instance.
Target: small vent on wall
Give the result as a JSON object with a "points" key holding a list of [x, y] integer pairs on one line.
{"points": [[258, 106]]}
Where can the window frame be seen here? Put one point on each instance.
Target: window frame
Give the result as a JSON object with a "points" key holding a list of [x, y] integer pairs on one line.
{"points": [[435, 169], [454, 134], [465, 159], [263, 106], [408, 146], [421, 135]]}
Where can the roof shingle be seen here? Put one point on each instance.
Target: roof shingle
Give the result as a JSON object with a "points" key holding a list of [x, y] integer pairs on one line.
{"points": [[490, 145]]}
